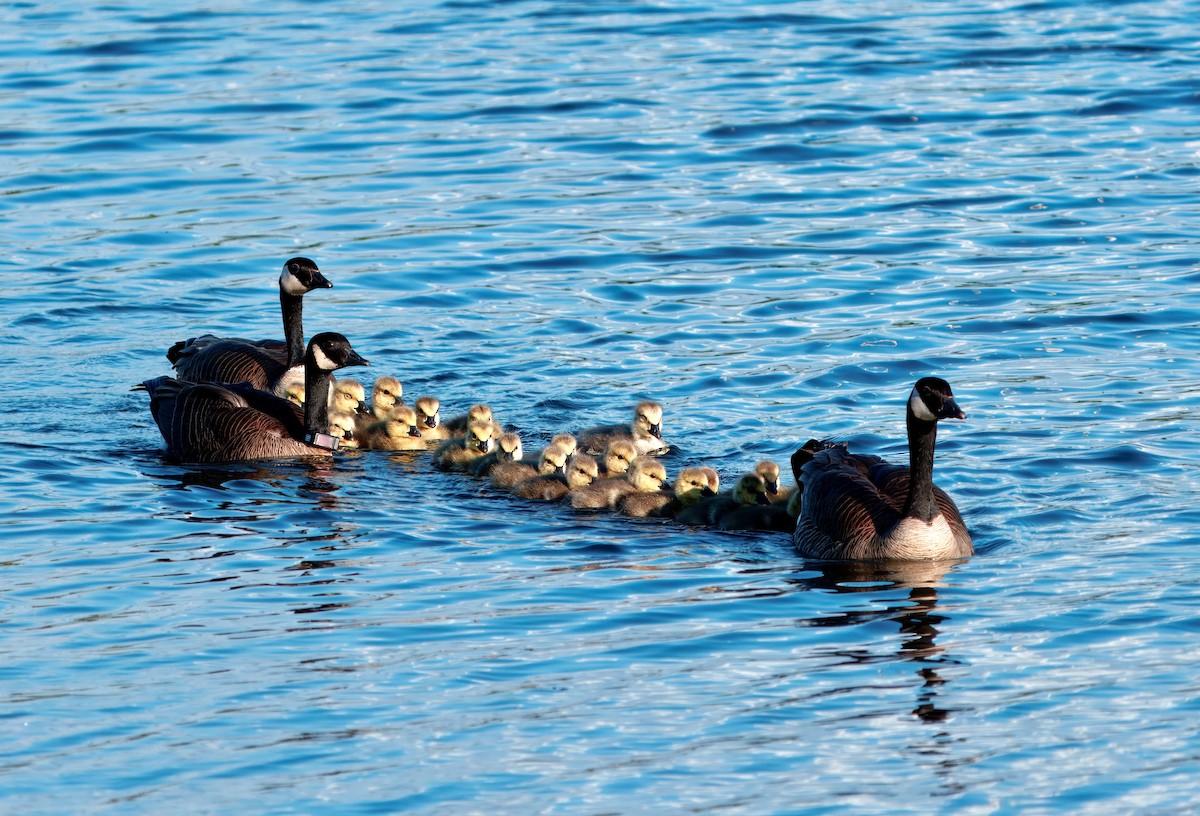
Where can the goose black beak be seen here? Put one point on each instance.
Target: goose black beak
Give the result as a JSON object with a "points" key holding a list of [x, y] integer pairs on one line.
{"points": [[413, 431], [355, 359], [950, 410], [656, 431], [707, 491], [762, 498], [319, 281], [772, 487], [361, 408]]}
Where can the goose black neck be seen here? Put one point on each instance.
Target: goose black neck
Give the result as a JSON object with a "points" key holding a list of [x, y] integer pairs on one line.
{"points": [[922, 437], [292, 307], [317, 385]]}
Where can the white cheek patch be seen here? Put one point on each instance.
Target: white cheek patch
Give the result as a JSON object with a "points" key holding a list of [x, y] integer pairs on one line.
{"points": [[323, 361], [919, 408], [290, 283]]}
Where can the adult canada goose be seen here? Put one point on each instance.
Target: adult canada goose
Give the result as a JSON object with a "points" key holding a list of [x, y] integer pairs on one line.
{"points": [[507, 475], [210, 422], [645, 431], [429, 418], [457, 426], [749, 489], [455, 454], [508, 449], [690, 486], [645, 476], [268, 365], [386, 394], [581, 470], [858, 507], [398, 432], [342, 426]]}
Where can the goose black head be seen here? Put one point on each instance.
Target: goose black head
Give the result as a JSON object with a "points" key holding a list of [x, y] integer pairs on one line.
{"points": [[932, 399], [331, 351], [300, 275]]}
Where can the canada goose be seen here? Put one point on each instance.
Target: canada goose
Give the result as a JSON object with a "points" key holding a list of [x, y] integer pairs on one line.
{"points": [[210, 422], [645, 476], [457, 426], [508, 449], [268, 365], [645, 431], [342, 426], [690, 486], [619, 456], [398, 432], [429, 418], [456, 453], [581, 470], [386, 394], [749, 489], [507, 475], [858, 507]]}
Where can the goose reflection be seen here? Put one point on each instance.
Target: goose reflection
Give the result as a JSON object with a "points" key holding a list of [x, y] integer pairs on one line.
{"points": [[918, 615]]}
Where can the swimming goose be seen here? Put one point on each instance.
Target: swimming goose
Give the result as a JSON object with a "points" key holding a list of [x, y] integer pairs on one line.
{"points": [[690, 486], [769, 471], [349, 396], [858, 507], [507, 475], [581, 470], [749, 489], [386, 394], [398, 432], [508, 449], [457, 426], [457, 453], [429, 418], [268, 365], [645, 476], [210, 422], [645, 431]]}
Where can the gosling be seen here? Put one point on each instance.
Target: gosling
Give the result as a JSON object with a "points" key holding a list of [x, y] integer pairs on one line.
{"points": [[397, 432], [646, 476], [508, 449], [456, 454], [581, 471], [645, 431]]}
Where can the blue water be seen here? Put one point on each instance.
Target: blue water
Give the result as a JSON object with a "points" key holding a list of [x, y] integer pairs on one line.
{"points": [[772, 218]]}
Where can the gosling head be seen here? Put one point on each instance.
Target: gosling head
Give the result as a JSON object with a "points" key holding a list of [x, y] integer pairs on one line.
{"points": [[300, 276], [619, 456], [341, 426], [402, 423], [554, 460], [714, 479], [769, 471], [647, 421], [479, 437], [386, 394], [509, 448], [691, 485], [581, 470], [565, 441], [750, 490], [294, 393], [349, 396], [479, 413], [428, 412], [931, 400], [647, 475]]}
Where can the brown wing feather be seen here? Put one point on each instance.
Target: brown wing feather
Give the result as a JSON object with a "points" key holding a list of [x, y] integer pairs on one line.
{"points": [[843, 513], [209, 359]]}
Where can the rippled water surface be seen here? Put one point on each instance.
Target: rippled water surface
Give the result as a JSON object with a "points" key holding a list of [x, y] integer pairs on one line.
{"points": [[770, 217]]}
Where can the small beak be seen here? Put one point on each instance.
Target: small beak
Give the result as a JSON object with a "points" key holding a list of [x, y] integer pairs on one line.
{"points": [[483, 445], [361, 408], [707, 491], [413, 430], [431, 422], [950, 410], [772, 487], [562, 469], [656, 431], [761, 498]]}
